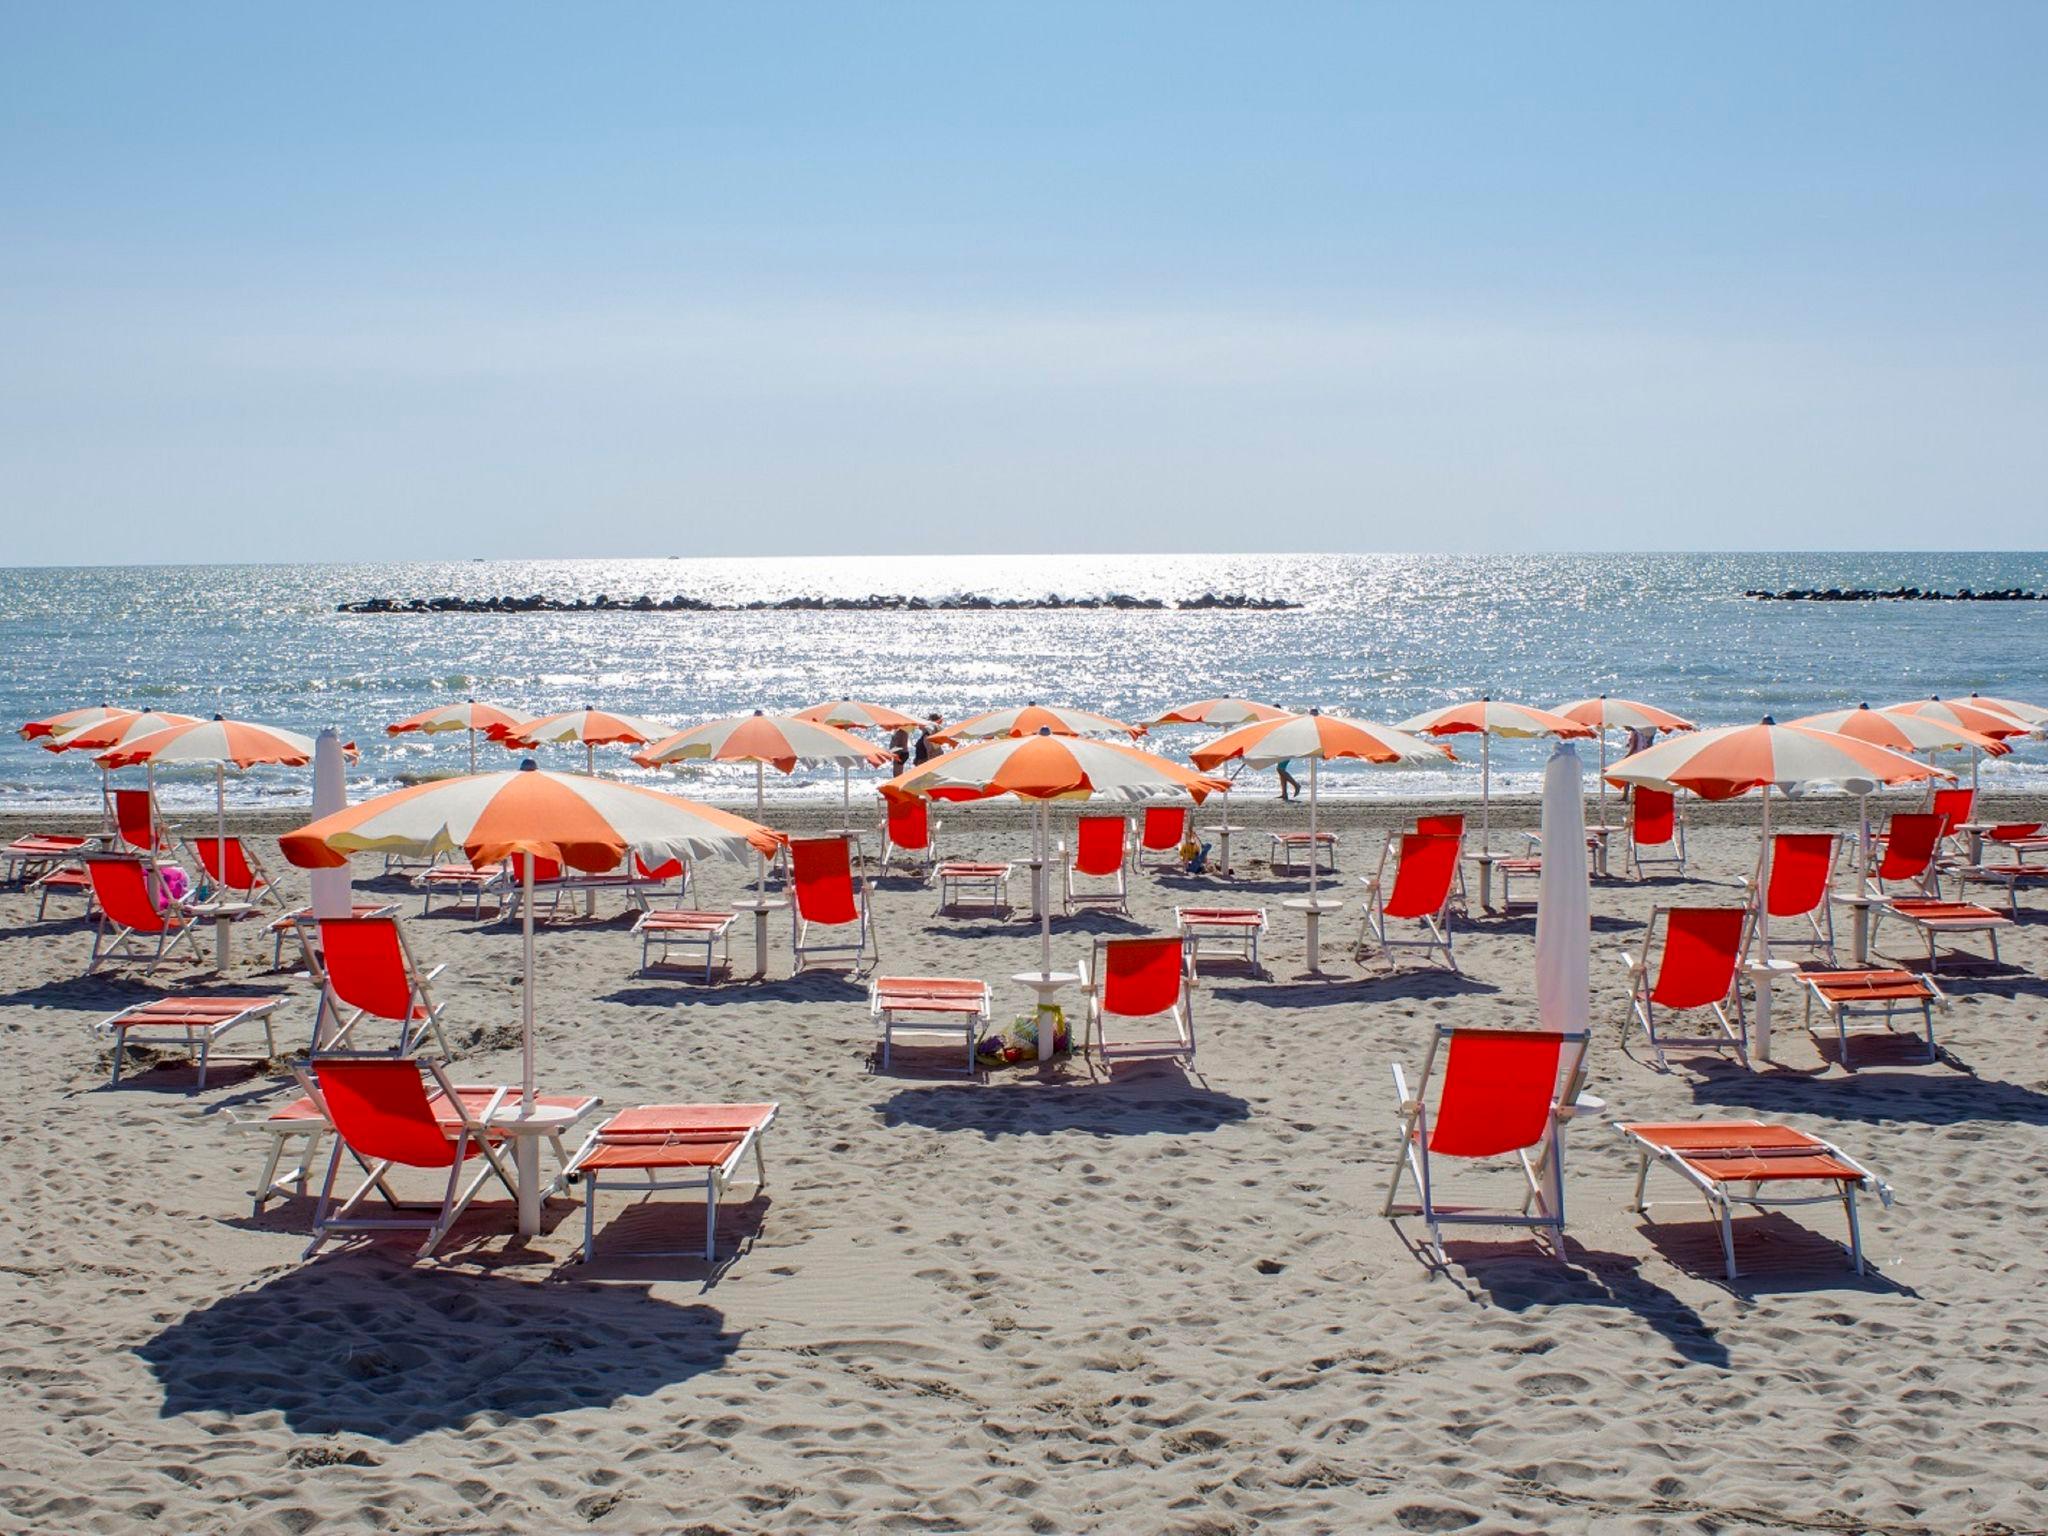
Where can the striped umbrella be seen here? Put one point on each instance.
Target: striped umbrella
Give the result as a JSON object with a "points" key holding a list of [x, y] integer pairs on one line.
{"points": [[579, 820], [1731, 760], [856, 715], [1221, 713], [1031, 719], [468, 716], [1320, 738], [70, 720], [1488, 718], [593, 728], [1901, 733], [1044, 768], [2032, 714], [114, 728], [1605, 714], [1980, 717]]}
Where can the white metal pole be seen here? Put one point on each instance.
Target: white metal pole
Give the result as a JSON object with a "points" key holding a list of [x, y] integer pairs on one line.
{"points": [[1313, 764], [1044, 906], [1485, 790], [526, 1005], [760, 859]]}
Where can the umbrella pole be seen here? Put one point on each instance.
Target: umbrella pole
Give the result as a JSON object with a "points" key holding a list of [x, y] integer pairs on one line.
{"points": [[760, 859], [1603, 778], [1313, 764], [1044, 907], [220, 814], [472, 749], [846, 794], [1863, 835], [590, 759], [1763, 887], [1485, 790], [526, 981]]}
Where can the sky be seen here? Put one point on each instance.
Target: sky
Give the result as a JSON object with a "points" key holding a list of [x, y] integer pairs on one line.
{"points": [[402, 281]]}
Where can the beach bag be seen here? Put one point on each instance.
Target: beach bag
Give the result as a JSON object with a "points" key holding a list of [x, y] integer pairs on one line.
{"points": [[1009, 1044]]}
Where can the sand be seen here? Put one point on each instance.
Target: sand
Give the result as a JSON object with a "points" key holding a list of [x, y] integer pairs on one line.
{"points": [[1057, 1300]]}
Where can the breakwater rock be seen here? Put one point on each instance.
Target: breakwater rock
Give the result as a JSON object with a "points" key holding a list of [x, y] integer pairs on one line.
{"points": [[1894, 595], [959, 602]]}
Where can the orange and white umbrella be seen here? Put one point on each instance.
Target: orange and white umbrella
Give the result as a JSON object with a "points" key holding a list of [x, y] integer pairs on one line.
{"points": [[1605, 714], [1901, 733], [1044, 768], [1319, 738], [592, 728], [2033, 714], [858, 715], [1030, 719], [1488, 718], [575, 819], [1731, 760], [1980, 716], [70, 720], [114, 728], [469, 716], [1223, 714]]}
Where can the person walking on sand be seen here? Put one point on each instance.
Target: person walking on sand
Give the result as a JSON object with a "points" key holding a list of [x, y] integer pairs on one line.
{"points": [[922, 751], [1290, 786]]}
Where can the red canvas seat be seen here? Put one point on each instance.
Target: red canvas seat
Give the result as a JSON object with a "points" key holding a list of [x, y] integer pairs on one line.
{"points": [[1954, 805], [367, 971], [1504, 1092], [1798, 890], [672, 1146], [928, 1005], [826, 895], [1161, 833], [909, 830], [137, 823], [1752, 1163], [1101, 852], [1133, 981], [1907, 849], [1695, 972], [1656, 832], [1449, 824], [132, 912], [234, 868], [1424, 882]]}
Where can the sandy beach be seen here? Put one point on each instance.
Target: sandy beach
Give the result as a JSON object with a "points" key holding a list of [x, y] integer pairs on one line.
{"points": [[1056, 1300]]}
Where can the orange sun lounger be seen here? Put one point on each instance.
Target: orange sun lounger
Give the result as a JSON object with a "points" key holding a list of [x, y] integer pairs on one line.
{"points": [[665, 926], [1221, 933], [194, 1022], [672, 1146], [959, 881], [1844, 994], [1737, 1162], [929, 1005], [1934, 917]]}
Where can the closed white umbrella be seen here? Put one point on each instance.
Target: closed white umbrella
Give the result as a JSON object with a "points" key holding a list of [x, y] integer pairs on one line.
{"points": [[332, 896], [1564, 926]]}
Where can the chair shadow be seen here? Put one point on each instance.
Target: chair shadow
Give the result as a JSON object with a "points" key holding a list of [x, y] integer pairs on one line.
{"points": [[1521, 920], [361, 1344], [1149, 1098], [1777, 1256], [814, 986], [1372, 986], [1946, 1092]]}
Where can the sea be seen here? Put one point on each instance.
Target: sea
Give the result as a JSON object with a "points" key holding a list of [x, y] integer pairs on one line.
{"points": [[1378, 637]]}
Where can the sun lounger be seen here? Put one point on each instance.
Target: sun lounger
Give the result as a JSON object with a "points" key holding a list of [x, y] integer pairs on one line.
{"points": [[1160, 835], [1290, 852], [1133, 981], [1525, 867], [1221, 933], [1421, 891], [2009, 876], [1740, 1162], [462, 880], [1844, 995], [234, 869], [28, 859], [1656, 832], [1696, 971], [929, 1005], [1802, 874], [193, 1022], [665, 927], [367, 971], [65, 880], [1101, 852], [1936, 918], [825, 895], [301, 925], [672, 1146], [960, 882], [908, 830], [131, 913], [1505, 1092]]}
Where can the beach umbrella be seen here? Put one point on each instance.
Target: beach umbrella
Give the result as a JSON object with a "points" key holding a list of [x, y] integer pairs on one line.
{"points": [[1605, 714], [1031, 719], [1223, 714], [857, 715], [69, 721], [468, 716], [2032, 714], [330, 797], [221, 743], [1902, 733], [116, 729], [764, 739], [1980, 717], [592, 728], [1042, 769], [578, 820], [1731, 760], [1488, 718], [1319, 738], [1564, 924]]}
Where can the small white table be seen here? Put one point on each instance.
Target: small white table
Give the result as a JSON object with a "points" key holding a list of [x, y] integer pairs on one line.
{"points": [[1859, 904], [223, 915], [526, 1132], [1313, 909], [761, 908], [1222, 832], [1762, 974], [1047, 985]]}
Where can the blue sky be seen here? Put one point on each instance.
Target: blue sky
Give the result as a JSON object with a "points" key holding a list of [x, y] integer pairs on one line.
{"points": [[292, 282]]}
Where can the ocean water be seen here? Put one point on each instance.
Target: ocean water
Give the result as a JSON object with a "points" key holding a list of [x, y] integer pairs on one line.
{"points": [[1379, 636]]}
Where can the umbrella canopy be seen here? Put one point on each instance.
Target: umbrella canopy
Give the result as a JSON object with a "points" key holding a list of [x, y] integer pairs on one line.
{"points": [[857, 715], [579, 820], [1978, 717], [1488, 718], [468, 716], [2033, 714], [1901, 732], [1031, 719], [69, 721], [1220, 713], [1319, 738], [118, 730], [592, 728], [780, 740], [1605, 714]]}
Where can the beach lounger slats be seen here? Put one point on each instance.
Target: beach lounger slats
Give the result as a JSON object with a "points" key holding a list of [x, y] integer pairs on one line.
{"points": [[664, 927], [194, 1022], [1221, 933], [927, 1005], [671, 1146]]}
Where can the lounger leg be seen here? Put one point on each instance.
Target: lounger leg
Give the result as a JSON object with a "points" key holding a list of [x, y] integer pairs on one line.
{"points": [[120, 1050], [589, 1216], [205, 1049], [1728, 1234], [1642, 1182], [267, 1180], [710, 1216], [1855, 1229]]}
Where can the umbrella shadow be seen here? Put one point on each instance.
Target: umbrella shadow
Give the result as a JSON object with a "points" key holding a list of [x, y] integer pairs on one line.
{"points": [[1928, 1096], [1370, 987], [361, 1344], [1144, 1099], [818, 986], [1776, 1256]]}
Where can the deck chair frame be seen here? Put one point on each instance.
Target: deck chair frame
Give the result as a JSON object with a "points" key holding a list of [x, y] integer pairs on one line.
{"points": [[1819, 936], [1731, 1034], [420, 997], [1094, 982], [864, 949], [1436, 927], [1118, 897], [115, 940], [1163, 856], [1637, 863]]}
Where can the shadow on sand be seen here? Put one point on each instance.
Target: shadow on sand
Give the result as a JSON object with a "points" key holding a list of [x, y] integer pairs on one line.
{"points": [[1148, 1098]]}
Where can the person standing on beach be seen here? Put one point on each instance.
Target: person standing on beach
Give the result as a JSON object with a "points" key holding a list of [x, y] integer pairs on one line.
{"points": [[923, 751], [1639, 740], [1290, 786], [899, 746]]}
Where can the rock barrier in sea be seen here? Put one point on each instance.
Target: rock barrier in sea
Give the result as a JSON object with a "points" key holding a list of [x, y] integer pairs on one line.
{"points": [[959, 602], [1894, 595]]}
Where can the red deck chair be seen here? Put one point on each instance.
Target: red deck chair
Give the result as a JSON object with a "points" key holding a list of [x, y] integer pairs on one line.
{"points": [[1504, 1091], [1656, 832], [233, 867], [126, 891], [672, 1146], [1954, 806], [1139, 979], [1696, 969], [367, 971], [137, 821], [1908, 848], [1101, 852], [384, 1116], [1164, 829], [826, 895], [1731, 1162], [1425, 879], [1452, 824], [909, 830], [1802, 871]]}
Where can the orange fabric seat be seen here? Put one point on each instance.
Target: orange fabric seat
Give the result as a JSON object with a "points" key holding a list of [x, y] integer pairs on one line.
{"points": [[700, 1146]]}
